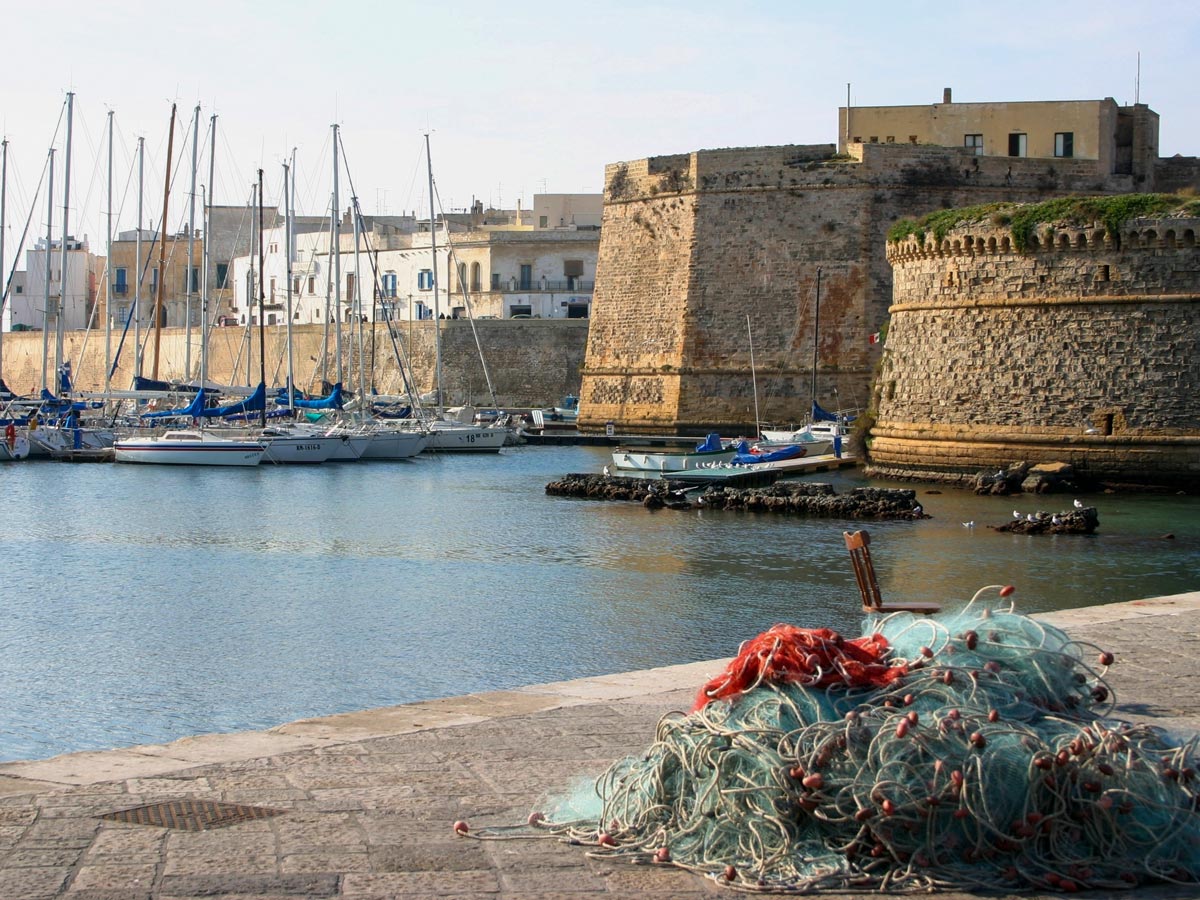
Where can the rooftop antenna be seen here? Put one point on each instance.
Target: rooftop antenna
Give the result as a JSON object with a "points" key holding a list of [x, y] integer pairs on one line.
{"points": [[1137, 81]]}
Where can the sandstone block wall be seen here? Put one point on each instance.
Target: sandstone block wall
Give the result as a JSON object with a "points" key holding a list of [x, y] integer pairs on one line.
{"points": [[1083, 349], [694, 244], [532, 362]]}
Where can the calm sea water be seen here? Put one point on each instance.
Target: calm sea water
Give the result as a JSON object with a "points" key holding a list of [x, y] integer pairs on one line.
{"points": [[141, 604]]}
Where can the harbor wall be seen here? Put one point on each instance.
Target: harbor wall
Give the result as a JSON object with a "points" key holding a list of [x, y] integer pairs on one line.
{"points": [[705, 253], [532, 362], [1082, 349]]}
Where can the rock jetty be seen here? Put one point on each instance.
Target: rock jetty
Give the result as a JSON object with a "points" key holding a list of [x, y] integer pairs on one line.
{"points": [[807, 498], [1076, 521]]}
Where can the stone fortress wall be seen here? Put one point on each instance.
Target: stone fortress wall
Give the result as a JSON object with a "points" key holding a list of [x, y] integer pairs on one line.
{"points": [[693, 244], [532, 362], [1082, 349]]}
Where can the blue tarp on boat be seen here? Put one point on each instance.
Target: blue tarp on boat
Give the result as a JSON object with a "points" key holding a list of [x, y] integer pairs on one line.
{"points": [[333, 401], [710, 443], [192, 410], [745, 457], [256, 402]]}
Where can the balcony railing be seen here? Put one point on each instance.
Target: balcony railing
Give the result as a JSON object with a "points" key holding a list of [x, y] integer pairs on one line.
{"points": [[567, 284]]}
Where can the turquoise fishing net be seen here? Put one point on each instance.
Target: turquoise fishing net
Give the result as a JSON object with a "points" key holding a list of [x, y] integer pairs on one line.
{"points": [[994, 763]]}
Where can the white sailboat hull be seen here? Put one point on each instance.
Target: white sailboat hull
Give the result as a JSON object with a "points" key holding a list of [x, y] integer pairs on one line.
{"points": [[189, 448], [467, 438], [394, 444], [634, 459]]}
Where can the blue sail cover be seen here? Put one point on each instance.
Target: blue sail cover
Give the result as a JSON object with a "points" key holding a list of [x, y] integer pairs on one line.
{"points": [[333, 401], [823, 415], [192, 410], [710, 443], [256, 402]]}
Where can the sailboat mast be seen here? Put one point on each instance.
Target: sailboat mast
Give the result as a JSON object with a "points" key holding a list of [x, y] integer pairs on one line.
{"points": [[46, 296], [287, 244], [62, 268], [108, 268], [437, 322], [3, 271], [816, 340], [162, 247], [337, 261], [138, 266], [358, 313], [262, 277], [753, 380], [206, 286], [190, 268]]}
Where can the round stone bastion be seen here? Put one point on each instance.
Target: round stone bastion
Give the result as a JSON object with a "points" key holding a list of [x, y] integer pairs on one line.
{"points": [[1081, 348]]}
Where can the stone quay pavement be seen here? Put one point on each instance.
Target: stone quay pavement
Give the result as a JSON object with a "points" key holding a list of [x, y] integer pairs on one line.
{"points": [[366, 800]]}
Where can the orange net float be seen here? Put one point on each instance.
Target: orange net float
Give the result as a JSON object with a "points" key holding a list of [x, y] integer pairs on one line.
{"points": [[813, 657]]}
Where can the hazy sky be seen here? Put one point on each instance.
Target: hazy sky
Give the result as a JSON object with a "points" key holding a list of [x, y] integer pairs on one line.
{"points": [[529, 97]]}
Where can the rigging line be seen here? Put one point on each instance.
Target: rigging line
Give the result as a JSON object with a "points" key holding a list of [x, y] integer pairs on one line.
{"points": [[375, 276], [24, 235], [453, 256], [402, 361]]}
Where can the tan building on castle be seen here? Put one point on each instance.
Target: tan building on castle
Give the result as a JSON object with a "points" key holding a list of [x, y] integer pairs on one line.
{"points": [[1122, 140]]}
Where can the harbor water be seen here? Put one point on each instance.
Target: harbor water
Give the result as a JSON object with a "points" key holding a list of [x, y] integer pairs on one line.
{"points": [[142, 604]]}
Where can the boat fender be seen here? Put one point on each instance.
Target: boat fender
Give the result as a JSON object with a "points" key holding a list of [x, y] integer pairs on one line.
{"points": [[10, 435]]}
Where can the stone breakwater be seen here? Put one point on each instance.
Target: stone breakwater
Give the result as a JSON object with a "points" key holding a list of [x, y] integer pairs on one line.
{"points": [[1077, 521], [803, 498]]}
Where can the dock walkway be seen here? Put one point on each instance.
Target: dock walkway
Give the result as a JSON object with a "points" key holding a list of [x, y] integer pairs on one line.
{"points": [[366, 800]]}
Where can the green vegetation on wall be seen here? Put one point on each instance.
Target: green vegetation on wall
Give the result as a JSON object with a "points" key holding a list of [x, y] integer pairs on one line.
{"points": [[1023, 219]]}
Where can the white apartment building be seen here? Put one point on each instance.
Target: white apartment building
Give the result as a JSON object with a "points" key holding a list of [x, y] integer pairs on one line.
{"points": [[486, 262], [75, 298]]}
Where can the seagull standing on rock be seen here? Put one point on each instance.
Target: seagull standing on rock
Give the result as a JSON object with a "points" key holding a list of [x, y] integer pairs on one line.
{"points": [[1016, 515], [970, 524], [1079, 504], [607, 473]]}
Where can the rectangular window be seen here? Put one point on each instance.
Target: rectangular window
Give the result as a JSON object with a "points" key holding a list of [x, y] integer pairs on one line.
{"points": [[222, 274], [349, 284], [122, 285], [495, 281], [389, 284], [890, 139], [195, 285], [272, 288], [296, 285], [1017, 145], [425, 280], [312, 284], [1064, 144], [526, 277], [542, 221], [974, 142]]}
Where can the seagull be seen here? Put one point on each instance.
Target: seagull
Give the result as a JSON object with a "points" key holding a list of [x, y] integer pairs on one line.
{"points": [[1055, 520], [1030, 517], [1016, 515], [970, 524], [607, 472], [917, 509], [1079, 504]]}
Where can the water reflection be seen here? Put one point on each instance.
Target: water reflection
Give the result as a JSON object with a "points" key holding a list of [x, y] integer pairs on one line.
{"points": [[144, 604]]}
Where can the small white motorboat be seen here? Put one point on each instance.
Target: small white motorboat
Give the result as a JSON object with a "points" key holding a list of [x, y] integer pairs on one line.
{"points": [[189, 448]]}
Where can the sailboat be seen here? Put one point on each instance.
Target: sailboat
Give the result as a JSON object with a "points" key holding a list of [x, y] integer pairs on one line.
{"points": [[828, 430], [446, 433]]}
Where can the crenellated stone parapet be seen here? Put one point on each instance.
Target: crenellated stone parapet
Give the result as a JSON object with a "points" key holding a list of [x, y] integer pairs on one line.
{"points": [[1139, 234], [1079, 348]]}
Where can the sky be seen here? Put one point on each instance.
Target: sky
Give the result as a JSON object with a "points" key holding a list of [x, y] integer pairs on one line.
{"points": [[520, 97]]}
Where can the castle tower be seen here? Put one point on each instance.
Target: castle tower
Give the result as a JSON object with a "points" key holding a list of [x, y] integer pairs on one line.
{"points": [[1079, 347]]}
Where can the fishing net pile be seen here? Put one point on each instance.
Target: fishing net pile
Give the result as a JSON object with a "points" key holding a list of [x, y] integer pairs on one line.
{"points": [[967, 751]]}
